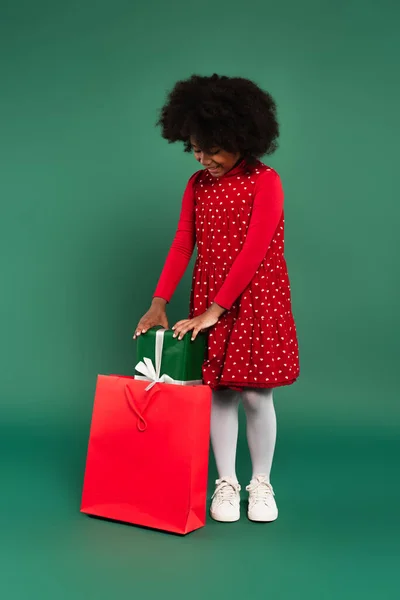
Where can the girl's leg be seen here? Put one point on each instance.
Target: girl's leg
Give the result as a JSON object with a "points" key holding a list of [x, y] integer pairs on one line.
{"points": [[225, 505], [261, 429], [261, 437], [224, 431]]}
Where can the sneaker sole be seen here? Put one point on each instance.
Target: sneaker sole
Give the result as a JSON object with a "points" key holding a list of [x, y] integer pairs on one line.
{"points": [[258, 520], [224, 520]]}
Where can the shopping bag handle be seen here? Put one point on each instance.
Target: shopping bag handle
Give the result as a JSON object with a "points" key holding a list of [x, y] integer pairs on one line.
{"points": [[141, 421]]}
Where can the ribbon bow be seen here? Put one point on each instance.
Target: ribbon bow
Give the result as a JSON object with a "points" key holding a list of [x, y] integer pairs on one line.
{"points": [[152, 373]]}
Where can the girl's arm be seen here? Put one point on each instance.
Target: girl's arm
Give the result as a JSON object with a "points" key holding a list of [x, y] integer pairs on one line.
{"points": [[182, 246], [265, 217]]}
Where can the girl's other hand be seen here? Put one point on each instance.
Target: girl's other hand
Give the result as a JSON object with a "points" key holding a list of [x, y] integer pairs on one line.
{"points": [[156, 315], [200, 323]]}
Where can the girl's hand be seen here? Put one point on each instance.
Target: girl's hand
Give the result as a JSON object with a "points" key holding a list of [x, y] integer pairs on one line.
{"points": [[200, 323], [155, 316]]}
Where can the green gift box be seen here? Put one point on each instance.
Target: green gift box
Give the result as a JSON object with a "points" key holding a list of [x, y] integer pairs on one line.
{"points": [[165, 359]]}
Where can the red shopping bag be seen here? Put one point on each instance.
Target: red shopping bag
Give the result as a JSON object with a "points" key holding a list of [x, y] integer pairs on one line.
{"points": [[147, 460]]}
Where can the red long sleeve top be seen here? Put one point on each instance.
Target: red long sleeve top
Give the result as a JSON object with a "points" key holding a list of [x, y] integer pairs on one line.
{"points": [[265, 216]]}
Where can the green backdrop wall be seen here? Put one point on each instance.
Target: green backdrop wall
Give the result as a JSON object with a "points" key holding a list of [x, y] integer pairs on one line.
{"points": [[90, 196]]}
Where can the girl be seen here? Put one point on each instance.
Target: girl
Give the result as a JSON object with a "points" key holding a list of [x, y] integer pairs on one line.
{"points": [[233, 209]]}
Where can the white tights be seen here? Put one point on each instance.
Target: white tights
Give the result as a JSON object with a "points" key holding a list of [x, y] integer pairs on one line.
{"points": [[261, 429]]}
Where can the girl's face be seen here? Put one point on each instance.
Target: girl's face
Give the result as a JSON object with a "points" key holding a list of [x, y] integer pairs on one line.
{"points": [[217, 161]]}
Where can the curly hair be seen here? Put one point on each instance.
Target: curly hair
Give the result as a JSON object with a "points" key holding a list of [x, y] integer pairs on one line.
{"points": [[231, 113]]}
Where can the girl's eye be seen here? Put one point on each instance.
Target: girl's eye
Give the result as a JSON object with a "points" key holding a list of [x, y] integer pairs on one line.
{"points": [[212, 152]]}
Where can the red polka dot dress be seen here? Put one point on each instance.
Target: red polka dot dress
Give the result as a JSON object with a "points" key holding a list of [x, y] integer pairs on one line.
{"points": [[237, 222]]}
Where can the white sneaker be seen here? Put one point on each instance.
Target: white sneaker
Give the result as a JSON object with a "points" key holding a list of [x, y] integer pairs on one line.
{"points": [[225, 505], [262, 505]]}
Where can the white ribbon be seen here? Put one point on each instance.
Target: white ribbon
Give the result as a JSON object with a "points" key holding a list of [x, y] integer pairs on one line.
{"points": [[147, 369], [153, 373]]}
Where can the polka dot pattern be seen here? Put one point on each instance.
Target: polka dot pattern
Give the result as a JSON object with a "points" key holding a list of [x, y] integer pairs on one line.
{"points": [[254, 344]]}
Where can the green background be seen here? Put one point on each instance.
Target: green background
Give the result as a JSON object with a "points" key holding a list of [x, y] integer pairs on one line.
{"points": [[90, 196]]}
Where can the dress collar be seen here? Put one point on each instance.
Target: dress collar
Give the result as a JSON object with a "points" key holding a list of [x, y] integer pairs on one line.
{"points": [[240, 168]]}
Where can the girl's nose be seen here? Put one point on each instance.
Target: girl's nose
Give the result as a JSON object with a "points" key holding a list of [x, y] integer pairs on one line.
{"points": [[204, 160]]}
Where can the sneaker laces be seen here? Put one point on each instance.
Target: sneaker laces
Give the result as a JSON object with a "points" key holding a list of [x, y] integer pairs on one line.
{"points": [[260, 490], [226, 491]]}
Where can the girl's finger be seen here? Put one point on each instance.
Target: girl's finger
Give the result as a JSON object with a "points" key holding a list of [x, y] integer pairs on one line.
{"points": [[179, 323], [178, 329], [141, 328], [179, 333], [185, 329], [195, 333]]}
